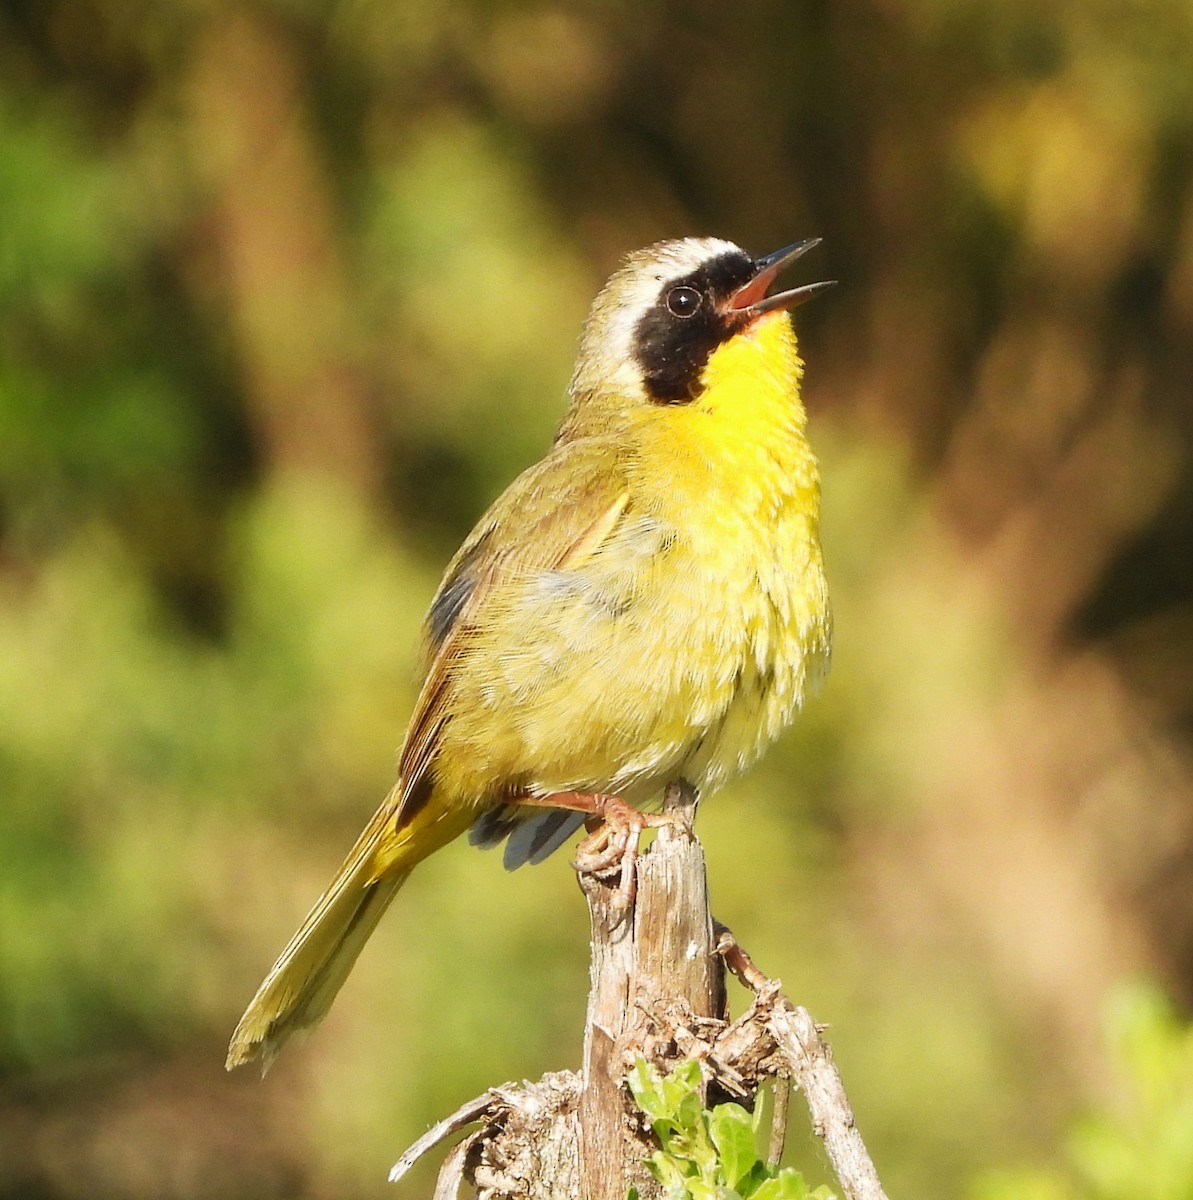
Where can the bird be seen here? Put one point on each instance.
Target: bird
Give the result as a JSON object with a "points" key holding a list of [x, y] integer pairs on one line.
{"points": [[644, 607]]}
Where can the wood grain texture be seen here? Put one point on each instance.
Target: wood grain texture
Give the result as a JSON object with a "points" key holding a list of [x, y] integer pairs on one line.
{"points": [[662, 949]]}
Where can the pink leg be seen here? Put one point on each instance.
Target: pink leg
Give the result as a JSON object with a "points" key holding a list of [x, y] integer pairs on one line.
{"points": [[611, 842]]}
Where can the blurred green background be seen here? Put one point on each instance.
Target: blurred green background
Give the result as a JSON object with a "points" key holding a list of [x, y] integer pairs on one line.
{"points": [[289, 291]]}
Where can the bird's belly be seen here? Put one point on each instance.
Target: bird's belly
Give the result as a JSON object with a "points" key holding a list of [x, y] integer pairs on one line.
{"points": [[689, 665]]}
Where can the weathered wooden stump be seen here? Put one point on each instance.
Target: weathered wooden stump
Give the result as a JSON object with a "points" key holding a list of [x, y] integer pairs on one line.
{"points": [[657, 993]]}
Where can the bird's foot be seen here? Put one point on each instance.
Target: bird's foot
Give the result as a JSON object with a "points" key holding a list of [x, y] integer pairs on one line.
{"points": [[613, 846], [614, 834]]}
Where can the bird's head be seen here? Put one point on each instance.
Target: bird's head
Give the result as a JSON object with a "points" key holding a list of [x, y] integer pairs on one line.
{"points": [[668, 310]]}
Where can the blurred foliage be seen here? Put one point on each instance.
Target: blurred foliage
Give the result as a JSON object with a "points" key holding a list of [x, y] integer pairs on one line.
{"points": [[288, 291], [1142, 1148]]}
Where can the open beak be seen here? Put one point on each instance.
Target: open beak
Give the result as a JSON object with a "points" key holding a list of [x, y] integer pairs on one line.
{"points": [[751, 298]]}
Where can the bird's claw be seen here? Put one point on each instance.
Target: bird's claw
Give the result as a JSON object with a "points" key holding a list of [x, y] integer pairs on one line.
{"points": [[614, 844]]}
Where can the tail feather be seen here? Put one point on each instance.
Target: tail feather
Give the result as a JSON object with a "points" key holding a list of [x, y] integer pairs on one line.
{"points": [[299, 989], [301, 985]]}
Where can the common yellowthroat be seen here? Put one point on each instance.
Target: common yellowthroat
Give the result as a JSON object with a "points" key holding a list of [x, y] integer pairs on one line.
{"points": [[646, 605]]}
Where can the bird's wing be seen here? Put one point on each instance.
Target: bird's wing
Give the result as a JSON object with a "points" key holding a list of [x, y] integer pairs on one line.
{"points": [[556, 515]]}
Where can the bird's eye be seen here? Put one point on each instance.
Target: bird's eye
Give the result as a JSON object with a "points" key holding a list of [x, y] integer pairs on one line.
{"points": [[683, 301]]}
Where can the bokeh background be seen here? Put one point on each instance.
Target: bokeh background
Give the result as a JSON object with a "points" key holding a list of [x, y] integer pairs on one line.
{"points": [[290, 290]]}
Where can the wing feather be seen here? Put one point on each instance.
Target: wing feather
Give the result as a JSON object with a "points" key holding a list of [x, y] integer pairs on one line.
{"points": [[554, 516]]}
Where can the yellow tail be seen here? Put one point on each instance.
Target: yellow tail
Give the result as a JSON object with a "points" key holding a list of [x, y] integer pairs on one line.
{"points": [[304, 981], [301, 985]]}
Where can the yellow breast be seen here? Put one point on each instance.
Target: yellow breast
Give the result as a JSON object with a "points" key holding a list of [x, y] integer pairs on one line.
{"points": [[752, 620]]}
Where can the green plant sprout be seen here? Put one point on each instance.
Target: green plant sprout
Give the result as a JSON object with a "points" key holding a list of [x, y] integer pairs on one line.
{"points": [[707, 1154]]}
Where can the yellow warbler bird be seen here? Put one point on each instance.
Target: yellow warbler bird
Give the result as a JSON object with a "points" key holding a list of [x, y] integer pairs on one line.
{"points": [[645, 606]]}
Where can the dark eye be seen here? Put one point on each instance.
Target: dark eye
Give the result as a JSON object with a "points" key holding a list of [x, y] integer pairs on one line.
{"points": [[683, 301]]}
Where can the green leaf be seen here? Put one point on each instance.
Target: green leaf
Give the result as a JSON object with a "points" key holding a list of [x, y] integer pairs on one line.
{"points": [[690, 1112], [688, 1075], [699, 1189], [646, 1086], [759, 1174], [732, 1131], [787, 1185], [667, 1171]]}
